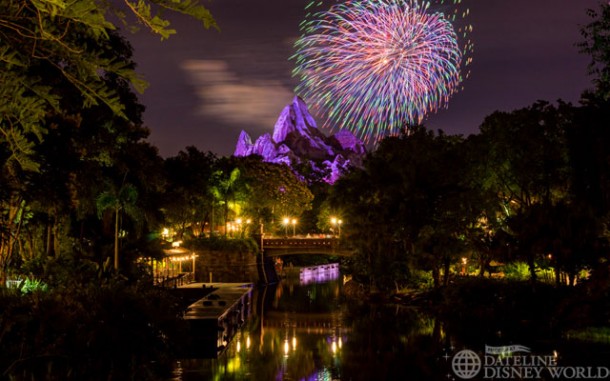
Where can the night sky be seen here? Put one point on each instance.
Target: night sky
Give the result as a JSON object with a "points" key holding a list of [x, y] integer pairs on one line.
{"points": [[206, 86]]}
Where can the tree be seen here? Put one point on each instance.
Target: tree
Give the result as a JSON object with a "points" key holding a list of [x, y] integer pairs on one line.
{"points": [[589, 152], [58, 34], [65, 72], [596, 44], [412, 191], [588, 133], [526, 154], [370, 229], [575, 240], [273, 191], [189, 199], [224, 190], [82, 149], [121, 200], [487, 233], [527, 166]]}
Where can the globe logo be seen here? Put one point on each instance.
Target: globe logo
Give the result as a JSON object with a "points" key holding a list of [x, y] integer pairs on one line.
{"points": [[466, 364]]}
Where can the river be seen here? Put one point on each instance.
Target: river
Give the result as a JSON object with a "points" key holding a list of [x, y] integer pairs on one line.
{"points": [[303, 329]]}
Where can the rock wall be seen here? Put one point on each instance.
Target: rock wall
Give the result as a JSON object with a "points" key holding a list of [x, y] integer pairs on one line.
{"points": [[226, 266]]}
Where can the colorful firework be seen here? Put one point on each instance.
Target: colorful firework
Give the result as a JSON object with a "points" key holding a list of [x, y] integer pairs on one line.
{"points": [[377, 66]]}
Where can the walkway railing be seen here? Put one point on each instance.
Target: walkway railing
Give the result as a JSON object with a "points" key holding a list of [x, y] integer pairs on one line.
{"points": [[300, 242], [289, 246], [175, 281]]}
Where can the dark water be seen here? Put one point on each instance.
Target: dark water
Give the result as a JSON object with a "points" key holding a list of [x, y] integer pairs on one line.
{"points": [[302, 329]]}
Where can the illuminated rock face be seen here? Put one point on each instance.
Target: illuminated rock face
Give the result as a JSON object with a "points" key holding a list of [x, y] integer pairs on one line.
{"points": [[296, 140]]}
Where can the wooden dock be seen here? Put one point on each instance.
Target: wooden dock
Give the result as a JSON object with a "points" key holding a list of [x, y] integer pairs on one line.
{"points": [[215, 318]]}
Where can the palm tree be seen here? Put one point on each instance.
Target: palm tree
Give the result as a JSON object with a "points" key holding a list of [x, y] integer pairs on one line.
{"points": [[122, 200], [224, 190]]}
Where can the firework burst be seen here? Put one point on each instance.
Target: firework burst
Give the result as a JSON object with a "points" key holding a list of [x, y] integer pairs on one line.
{"points": [[374, 67]]}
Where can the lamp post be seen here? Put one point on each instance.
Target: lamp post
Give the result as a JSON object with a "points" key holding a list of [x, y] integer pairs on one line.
{"points": [[294, 224], [286, 222], [246, 227], [239, 227], [194, 256], [335, 222]]}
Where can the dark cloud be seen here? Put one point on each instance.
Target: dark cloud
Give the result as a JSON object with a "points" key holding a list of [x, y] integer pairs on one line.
{"points": [[225, 96]]}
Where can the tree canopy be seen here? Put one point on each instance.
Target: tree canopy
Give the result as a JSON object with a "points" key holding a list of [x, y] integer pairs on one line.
{"points": [[72, 40], [70, 124]]}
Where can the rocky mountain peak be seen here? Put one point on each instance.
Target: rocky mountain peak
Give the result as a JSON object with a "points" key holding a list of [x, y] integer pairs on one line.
{"points": [[296, 139]]}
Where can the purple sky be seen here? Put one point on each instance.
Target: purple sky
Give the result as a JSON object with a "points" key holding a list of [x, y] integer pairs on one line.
{"points": [[207, 86]]}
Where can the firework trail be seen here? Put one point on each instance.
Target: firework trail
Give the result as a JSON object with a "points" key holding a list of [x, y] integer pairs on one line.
{"points": [[377, 66]]}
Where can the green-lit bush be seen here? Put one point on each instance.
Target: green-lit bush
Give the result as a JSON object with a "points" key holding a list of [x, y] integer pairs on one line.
{"points": [[421, 279], [517, 271], [32, 285]]}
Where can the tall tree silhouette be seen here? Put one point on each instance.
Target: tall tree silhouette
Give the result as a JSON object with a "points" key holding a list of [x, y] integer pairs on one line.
{"points": [[118, 201]]}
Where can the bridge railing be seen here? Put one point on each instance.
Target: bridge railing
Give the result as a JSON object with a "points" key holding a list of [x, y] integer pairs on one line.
{"points": [[299, 242]]}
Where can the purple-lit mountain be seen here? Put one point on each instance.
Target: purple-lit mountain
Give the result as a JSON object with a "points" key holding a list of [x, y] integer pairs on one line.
{"points": [[296, 141]]}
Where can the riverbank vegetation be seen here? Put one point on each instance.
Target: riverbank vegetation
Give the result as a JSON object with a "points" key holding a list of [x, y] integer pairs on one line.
{"points": [[107, 329]]}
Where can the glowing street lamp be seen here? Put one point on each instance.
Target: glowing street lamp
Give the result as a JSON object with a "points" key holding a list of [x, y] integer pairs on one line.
{"points": [[238, 222], [246, 226], [286, 222], [286, 348], [294, 224], [336, 222]]}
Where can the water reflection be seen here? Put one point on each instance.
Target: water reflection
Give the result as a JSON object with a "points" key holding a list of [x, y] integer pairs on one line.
{"points": [[302, 329], [295, 332], [302, 323], [318, 274]]}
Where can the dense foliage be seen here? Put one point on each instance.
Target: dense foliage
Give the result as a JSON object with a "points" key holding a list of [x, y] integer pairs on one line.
{"points": [[98, 331], [70, 124], [450, 205]]}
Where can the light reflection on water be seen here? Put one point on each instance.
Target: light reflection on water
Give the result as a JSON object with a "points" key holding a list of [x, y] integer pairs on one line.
{"points": [[318, 274], [295, 332], [301, 329]]}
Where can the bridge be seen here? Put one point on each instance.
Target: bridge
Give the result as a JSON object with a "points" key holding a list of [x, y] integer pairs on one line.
{"points": [[319, 323], [275, 247]]}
